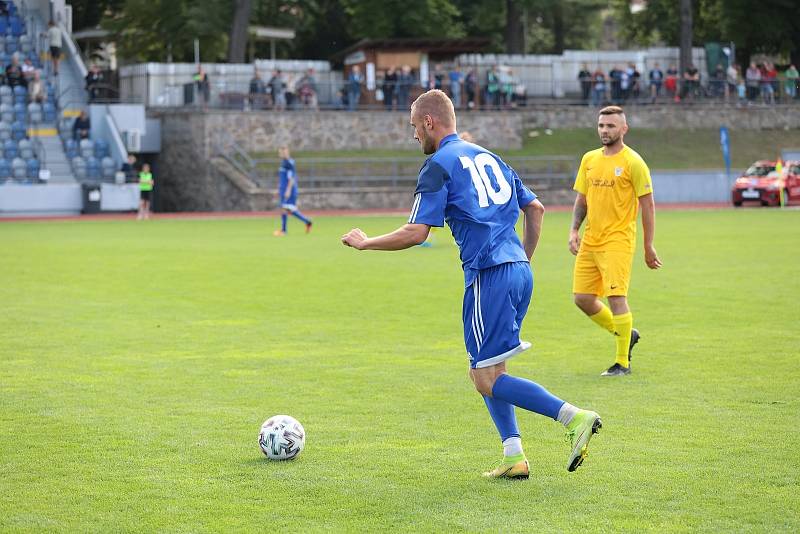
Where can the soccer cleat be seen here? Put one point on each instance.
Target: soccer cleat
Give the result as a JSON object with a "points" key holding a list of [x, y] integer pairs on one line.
{"points": [[616, 370], [579, 432], [634, 340], [278, 233], [513, 471], [308, 231]]}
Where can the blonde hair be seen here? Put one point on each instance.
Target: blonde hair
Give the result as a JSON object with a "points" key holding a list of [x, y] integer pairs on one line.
{"points": [[436, 104]]}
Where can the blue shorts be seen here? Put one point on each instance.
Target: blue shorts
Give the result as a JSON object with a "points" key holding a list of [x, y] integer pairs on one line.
{"points": [[289, 203], [494, 307]]}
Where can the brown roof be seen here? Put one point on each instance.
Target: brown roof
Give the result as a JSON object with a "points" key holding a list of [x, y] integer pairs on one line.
{"points": [[463, 45]]}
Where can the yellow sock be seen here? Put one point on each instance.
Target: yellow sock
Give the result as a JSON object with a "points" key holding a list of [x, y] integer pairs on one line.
{"points": [[623, 324], [604, 318]]}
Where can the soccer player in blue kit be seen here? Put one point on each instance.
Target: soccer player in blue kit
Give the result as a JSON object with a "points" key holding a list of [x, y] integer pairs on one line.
{"points": [[480, 198], [287, 192]]}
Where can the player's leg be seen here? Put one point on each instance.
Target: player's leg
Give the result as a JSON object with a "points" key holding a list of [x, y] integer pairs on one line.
{"points": [[514, 464], [284, 220], [587, 284], [297, 213], [501, 299], [616, 271]]}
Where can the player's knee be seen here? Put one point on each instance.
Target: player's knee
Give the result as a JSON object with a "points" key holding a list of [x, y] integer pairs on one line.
{"points": [[483, 383], [582, 300]]}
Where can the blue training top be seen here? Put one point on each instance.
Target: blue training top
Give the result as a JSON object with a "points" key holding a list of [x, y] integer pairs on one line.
{"points": [[479, 197], [287, 171]]}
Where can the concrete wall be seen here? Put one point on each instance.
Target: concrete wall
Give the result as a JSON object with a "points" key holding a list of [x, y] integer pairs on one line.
{"points": [[188, 181]]}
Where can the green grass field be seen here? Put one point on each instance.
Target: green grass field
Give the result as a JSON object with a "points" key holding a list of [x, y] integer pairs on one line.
{"points": [[138, 361], [687, 149]]}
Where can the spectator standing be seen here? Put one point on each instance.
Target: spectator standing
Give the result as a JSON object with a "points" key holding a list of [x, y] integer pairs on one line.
{"points": [[437, 80], [718, 80], [55, 39], [94, 78], [203, 87], [598, 87], [769, 80], [691, 81], [752, 82], [471, 87], [731, 81], [493, 87], [671, 82], [14, 75], [585, 80], [307, 90], [36, 89], [146, 183], [506, 79], [656, 77], [791, 75], [291, 90], [256, 91], [277, 86], [405, 81], [81, 127], [626, 83], [636, 81], [456, 78], [354, 81], [615, 76], [388, 87], [129, 169]]}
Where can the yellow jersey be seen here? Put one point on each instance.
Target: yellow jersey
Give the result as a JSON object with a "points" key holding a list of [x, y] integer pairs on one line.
{"points": [[612, 185]]}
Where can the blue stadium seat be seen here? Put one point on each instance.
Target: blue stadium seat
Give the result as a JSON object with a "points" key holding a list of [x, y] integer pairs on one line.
{"points": [[20, 114], [49, 111], [109, 169], [18, 131], [3, 25], [71, 148], [12, 8], [100, 149], [7, 113], [33, 168], [10, 149], [93, 168], [79, 168], [19, 169], [16, 25], [86, 147], [20, 90], [12, 46], [25, 148], [5, 169]]}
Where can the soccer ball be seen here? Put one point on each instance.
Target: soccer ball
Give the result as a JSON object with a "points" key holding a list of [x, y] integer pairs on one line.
{"points": [[281, 437]]}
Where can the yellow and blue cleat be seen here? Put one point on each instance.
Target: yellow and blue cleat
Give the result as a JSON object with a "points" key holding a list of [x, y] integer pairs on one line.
{"points": [[514, 468]]}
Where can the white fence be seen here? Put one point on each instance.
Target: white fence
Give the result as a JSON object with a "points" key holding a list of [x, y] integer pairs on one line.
{"points": [[163, 84], [557, 76]]}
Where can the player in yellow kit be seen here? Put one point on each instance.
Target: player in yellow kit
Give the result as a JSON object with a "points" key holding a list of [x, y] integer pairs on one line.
{"points": [[612, 182]]}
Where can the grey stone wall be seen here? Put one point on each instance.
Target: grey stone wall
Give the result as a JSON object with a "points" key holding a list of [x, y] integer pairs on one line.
{"points": [[190, 181]]}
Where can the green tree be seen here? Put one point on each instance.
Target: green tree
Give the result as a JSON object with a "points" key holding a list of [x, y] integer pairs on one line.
{"points": [[395, 18]]}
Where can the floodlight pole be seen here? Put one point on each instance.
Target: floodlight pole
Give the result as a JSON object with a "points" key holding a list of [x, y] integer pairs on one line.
{"points": [[197, 52]]}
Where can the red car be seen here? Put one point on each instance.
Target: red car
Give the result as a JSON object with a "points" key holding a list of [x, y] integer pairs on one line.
{"points": [[762, 183]]}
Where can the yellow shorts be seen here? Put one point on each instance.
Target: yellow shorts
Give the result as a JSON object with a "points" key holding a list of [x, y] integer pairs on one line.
{"points": [[602, 273]]}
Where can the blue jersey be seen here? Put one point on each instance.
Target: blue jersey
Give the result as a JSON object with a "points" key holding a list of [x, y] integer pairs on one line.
{"points": [[479, 197], [286, 172]]}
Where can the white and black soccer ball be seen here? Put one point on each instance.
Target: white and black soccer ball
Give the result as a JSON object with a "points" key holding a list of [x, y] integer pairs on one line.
{"points": [[282, 437]]}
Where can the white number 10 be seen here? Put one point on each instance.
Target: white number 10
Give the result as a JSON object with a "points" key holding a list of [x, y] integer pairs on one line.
{"points": [[481, 181]]}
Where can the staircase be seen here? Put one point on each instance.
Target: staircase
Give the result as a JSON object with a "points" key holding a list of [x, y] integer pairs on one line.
{"points": [[56, 159]]}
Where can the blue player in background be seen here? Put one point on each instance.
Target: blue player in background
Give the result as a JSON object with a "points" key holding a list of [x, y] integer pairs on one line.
{"points": [[287, 192], [480, 198]]}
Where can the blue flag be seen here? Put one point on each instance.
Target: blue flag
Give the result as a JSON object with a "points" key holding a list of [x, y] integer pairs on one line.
{"points": [[725, 143]]}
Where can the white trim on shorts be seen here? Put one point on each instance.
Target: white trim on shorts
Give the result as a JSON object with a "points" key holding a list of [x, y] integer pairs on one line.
{"points": [[291, 207], [522, 347]]}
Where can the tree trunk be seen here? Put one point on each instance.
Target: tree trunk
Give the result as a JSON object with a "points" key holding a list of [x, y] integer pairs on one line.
{"points": [[558, 28], [515, 27], [686, 34], [239, 31]]}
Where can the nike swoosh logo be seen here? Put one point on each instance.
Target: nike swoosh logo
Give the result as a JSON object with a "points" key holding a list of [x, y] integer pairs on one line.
{"points": [[613, 287]]}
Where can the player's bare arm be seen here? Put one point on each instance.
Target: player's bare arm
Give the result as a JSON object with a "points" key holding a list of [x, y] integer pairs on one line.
{"points": [[578, 215], [289, 186], [406, 236], [534, 214], [648, 207]]}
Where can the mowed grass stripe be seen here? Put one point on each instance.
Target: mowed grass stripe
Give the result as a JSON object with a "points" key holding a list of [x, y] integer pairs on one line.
{"points": [[137, 362]]}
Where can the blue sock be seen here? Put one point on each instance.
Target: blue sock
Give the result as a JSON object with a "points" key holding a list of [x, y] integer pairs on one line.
{"points": [[526, 394], [503, 416], [301, 217], [284, 218]]}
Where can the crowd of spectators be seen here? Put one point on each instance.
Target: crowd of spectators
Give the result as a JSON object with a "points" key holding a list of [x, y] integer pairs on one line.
{"points": [[283, 91], [760, 83]]}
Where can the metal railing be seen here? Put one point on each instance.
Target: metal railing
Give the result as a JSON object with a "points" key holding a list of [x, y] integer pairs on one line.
{"points": [[349, 174]]}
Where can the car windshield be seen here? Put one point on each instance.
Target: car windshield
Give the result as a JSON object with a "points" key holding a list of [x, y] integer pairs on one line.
{"points": [[759, 170]]}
